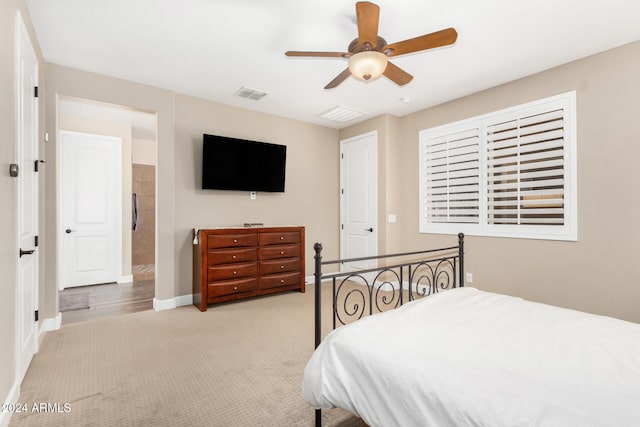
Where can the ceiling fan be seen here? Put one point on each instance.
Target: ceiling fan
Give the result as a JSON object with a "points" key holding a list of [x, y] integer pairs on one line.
{"points": [[368, 54]]}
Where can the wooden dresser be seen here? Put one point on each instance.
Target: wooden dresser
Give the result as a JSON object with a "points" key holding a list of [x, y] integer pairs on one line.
{"points": [[234, 263]]}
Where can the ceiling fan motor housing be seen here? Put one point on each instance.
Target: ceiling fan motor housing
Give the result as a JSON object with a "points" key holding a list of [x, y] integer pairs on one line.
{"points": [[356, 47]]}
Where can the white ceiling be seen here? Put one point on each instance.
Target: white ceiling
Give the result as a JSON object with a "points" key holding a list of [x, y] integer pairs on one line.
{"points": [[212, 48]]}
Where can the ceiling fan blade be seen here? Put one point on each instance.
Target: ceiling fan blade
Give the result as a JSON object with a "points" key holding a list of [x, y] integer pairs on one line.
{"points": [[339, 79], [397, 74], [428, 41], [319, 54], [368, 15]]}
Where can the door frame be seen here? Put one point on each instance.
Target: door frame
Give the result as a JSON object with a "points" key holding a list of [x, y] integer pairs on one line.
{"points": [[24, 47], [118, 205], [343, 142]]}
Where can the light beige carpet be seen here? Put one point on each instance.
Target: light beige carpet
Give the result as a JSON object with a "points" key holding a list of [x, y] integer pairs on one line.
{"points": [[238, 364]]}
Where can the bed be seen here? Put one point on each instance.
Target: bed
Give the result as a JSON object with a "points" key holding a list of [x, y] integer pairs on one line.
{"points": [[412, 346]]}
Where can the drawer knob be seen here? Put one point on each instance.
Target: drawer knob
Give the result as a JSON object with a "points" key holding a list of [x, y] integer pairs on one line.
{"points": [[281, 252], [281, 237], [281, 267], [235, 240], [234, 257], [235, 272], [282, 281], [235, 288]]}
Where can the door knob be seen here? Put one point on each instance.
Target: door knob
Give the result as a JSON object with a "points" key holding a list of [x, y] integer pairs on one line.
{"points": [[68, 231], [370, 229]]}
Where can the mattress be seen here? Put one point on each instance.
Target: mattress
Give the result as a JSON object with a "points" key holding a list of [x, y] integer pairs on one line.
{"points": [[465, 357]]}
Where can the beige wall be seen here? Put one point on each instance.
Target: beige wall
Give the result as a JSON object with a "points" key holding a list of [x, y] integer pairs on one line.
{"points": [[143, 151], [63, 81], [594, 274], [310, 198], [8, 224], [389, 179]]}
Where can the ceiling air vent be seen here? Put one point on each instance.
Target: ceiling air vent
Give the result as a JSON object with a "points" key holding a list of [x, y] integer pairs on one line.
{"points": [[245, 92], [341, 114]]}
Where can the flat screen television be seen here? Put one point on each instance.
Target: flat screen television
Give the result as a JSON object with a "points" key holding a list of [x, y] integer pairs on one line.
{"points": [[242, 165]]}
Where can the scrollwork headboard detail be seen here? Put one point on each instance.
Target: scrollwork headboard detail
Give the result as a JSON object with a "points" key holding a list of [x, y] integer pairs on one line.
{"points": [[404, 277]]}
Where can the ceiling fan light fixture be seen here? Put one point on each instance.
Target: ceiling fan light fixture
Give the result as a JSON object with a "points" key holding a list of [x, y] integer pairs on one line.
{"points": [[368, 65], [368, 53]]}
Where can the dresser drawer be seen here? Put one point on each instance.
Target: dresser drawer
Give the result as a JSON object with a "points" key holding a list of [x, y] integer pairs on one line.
{"points": [[228, 256], [279, 266], [279, 238], [280, 280], [281, 251], [232, 271], [230, 287], [231, 240]]}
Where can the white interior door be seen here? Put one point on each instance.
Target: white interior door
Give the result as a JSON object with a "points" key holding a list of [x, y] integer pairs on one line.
{"points": [[359, 198], [27, 194], [91, 188]]}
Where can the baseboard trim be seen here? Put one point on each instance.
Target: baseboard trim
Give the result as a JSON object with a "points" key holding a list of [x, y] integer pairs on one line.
{"points": [[311, 280], [12, 397], [183, 300], [125, 279], [51, 324], [171, 303]]}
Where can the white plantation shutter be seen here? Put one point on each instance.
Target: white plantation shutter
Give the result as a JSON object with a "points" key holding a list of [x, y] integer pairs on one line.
{"points": [[510, 173], [525, 170], [452, 177]]}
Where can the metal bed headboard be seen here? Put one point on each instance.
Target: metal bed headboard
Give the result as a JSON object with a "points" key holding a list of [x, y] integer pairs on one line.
{"points": [[426, 273], [389, 286]]}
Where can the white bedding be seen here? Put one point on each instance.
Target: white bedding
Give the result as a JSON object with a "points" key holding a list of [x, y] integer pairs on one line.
{"points": [[465, 357]]}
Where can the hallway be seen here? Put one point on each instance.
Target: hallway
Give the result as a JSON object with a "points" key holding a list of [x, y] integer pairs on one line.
{"points": [[110, 299]]}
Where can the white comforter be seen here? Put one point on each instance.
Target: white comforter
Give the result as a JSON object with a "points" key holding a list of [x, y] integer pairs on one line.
{"points": [[466, 357]]}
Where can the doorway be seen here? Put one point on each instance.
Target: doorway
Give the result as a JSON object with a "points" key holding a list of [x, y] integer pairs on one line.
{"points": [[359, 199], [133, 287]]}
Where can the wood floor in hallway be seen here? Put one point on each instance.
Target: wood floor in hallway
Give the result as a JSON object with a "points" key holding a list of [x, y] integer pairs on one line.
{"points": [[110, 299]]}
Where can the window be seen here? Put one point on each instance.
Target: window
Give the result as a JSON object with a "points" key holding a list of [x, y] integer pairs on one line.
{"points": [[510, 173], [452, 175]]}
